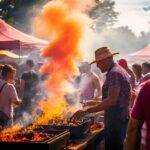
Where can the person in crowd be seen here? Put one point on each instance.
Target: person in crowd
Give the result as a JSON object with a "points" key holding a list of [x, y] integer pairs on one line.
{"points": [[90, 88], [8, 95], [87, 86], [137, 69], [28, 86], [116, 93], [38, 66], [144, 127], [123, 63], [140, 114], [146, 71]]}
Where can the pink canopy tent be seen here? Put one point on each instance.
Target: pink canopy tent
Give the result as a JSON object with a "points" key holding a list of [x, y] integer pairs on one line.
{"points": [[141, 55], [11, 38]]}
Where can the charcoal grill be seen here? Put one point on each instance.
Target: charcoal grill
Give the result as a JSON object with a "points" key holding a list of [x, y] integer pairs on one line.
{"points": [[56, 142], [76, 131]]}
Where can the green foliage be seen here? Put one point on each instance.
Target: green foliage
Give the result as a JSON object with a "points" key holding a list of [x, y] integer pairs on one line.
{"points": [[17, 12], [6, 9], [104, 14], [122, 38]]}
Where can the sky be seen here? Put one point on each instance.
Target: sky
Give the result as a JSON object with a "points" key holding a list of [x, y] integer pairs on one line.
{"points": [[133, 15]]}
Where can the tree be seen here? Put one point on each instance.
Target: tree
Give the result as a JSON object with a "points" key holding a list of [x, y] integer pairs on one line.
{"points": [[6, 9], [17, 12], [144, 39], [103, 14], [122, 38]]}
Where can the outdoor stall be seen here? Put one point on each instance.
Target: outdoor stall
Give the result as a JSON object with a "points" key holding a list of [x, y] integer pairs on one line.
{"points": [[47, 139], [53, 139], [140, 56], [13, 39], [58, 134]]}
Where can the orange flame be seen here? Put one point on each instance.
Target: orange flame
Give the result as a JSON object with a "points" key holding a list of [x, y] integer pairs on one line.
{"points": [[65, 24]]}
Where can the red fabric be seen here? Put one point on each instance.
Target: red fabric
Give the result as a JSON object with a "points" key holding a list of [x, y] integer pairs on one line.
{"points": [[9, 38], [10, 44], [123, 63], [141, 109], [143, 54]]}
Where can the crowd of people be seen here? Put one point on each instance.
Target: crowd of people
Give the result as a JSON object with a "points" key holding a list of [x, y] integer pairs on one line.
{"points": [[17, 93], [124, 96], [125, 101]]}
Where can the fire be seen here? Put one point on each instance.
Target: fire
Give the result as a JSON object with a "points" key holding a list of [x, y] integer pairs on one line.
{"points": [[8, 133], [15, 134], [23, 137], [63, 22], [52, 109], [12, 129]]}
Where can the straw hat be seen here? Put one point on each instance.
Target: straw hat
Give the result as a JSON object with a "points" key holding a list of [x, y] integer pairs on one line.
{"points": [[103, 53]]}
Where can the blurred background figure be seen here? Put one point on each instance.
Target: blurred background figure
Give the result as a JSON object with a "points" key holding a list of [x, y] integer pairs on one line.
{"points": [[123, 63], [146, 71], [90, 88], [87, 86], [28, 86], [38, 66], [137, 69], [142, 79]]}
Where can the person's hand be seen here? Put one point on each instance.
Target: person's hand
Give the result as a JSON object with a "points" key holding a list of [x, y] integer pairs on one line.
{"points": [[90, 103], [78, 115]]}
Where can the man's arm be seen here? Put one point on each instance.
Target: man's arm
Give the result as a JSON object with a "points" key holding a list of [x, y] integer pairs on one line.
{"points": [[134, 134], [110, 101], [113, 94]]}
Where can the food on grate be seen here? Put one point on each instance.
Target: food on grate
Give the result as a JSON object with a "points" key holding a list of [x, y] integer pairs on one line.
{"points": [[95, 126], [25, 137]]}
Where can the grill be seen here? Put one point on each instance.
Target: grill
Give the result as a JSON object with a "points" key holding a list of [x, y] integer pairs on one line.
{"points": [[53, 140], [76, 131]]}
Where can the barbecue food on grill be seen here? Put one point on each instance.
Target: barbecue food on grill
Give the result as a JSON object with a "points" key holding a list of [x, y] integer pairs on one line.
{"points": [[95, 126], [59, 122], [25, 137]]}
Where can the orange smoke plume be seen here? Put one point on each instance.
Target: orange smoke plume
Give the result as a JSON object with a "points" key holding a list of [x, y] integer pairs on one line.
{"points": [[79, 5], [64, 25]]}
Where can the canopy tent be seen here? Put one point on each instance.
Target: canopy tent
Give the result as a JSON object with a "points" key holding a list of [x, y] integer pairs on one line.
{"points": [[140, 56], [11, 38]]}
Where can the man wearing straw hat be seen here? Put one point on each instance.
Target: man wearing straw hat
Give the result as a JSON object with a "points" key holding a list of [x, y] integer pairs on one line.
{"points": [[115, 99]]}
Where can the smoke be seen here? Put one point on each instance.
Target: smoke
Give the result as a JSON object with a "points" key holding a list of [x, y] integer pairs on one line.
{"points": [[65, 24], [82, 6]]}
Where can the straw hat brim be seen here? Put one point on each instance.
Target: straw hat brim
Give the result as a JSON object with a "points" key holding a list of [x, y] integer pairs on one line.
{"points": [[104, 58]]}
